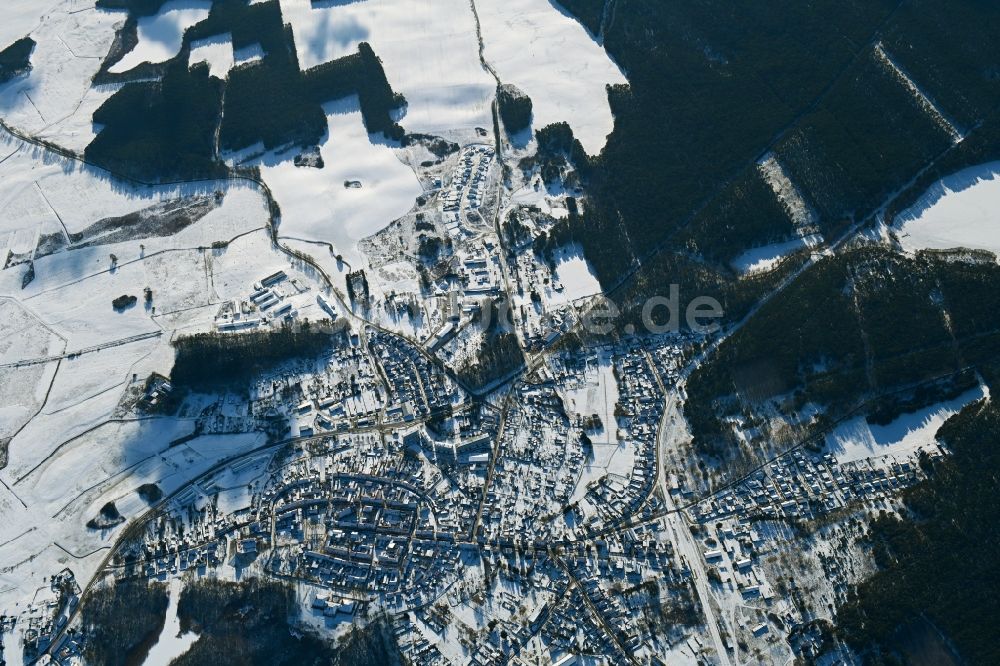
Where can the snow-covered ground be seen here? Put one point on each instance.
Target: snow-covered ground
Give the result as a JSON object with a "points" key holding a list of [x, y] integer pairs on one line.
{"points": [[217, 52], [575, 277], [160, 36], [598, 396], [70, 452], [171, 642], [317, 205], [21, 17], [72, 39], [428, 49], [962, 210], [768, 256], [555, 61], [857, 439]]}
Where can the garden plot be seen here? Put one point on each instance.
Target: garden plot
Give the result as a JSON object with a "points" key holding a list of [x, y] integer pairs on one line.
{"points": [[555, 61], [362, 188], [428, 49], [958, 211], [857, 439], [598, 395], [161, 36], [69, 50]]}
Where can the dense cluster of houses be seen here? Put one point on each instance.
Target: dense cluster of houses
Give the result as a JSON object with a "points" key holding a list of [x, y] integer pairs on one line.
{"points": [[466, 191], [804, 485]]}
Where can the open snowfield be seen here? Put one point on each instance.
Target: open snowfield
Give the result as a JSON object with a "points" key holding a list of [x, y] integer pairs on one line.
{"points": [[555, 61], [70, 452], [171, 642], [767, 257], [160, 36], [217, 52], [38, 188], [857, 439], [315, 204], [575, 275], [428, 49], [72, 39], [21, 17], [962, 210]]}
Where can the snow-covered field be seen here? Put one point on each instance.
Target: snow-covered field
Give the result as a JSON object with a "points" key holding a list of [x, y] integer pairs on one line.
{"points": [[171, 642], [23, 16], [315, 203], [962, 210], [160, 36], [575, 277], [68, 453], [72, 39], [217, 52], [552, 58], [857, 439], [768, 256], [428, 48]]}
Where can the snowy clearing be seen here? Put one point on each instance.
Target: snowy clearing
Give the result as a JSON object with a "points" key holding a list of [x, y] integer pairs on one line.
{"points": [[315, 203], [428, 49], [161, 36], [69, 50], [217, 52], [171, 643], [958, 211], [575, 278], [857, 439], [767, 257], [555, 61]]}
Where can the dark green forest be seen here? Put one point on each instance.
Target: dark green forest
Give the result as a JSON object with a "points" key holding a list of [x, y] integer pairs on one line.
{"points": [[714, 86], [938, 565], [863, 325], [515, 108], [248, 623], [16, 59], [122, 621], [209, 361]]}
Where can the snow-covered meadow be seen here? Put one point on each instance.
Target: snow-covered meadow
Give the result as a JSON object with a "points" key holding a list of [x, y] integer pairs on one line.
{"points": [[857, 439], [428, 48], [958, 211], [161, 35], [552, 58], [362, 188]]}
